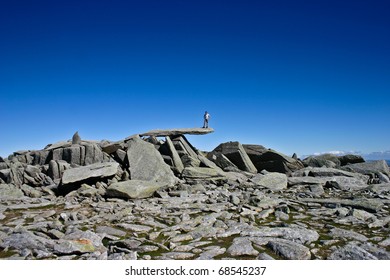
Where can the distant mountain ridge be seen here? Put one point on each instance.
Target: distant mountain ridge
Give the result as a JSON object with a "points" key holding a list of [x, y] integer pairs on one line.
{"points": [[367, 156], [377, 155]]}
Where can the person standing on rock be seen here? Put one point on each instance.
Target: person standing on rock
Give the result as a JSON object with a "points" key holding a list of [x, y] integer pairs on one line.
{"points": [[206, 118]]}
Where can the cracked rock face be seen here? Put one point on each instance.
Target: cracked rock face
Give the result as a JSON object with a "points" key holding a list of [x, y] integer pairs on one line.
{"points": [[154, 199]]}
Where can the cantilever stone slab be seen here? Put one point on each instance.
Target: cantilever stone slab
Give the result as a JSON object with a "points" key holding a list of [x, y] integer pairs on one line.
{"points": [[177, 131]]}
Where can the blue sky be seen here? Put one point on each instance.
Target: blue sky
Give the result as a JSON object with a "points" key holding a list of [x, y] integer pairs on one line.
{"points": [[295, 76]]}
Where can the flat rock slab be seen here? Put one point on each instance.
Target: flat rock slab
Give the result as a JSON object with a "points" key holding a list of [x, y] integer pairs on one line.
{"points": [[351, 252], [10, 192], [378, 166], [201, 173], [132, 189], [347, 234], [300, 235], [368, 204], [177, 131], [96, 170], [242, 247], [289, 250], [274, 181], [79, 242]]}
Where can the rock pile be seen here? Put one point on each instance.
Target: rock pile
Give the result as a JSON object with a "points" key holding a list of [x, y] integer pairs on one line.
{"points": [[155, 196]]}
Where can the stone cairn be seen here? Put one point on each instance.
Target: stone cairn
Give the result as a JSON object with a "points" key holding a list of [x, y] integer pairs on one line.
{"points": [[155, 196]]}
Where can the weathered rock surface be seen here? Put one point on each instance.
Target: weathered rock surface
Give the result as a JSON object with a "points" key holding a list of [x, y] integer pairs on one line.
{"points": [[235, 152], [274, 181], [242, 247], [79, 242], [92, 171], [178, 164], [132, 189], [76, 139], [57, 168], [223, 162], [270, 160], [125, 203], [10, 192], [350, 159], [351, 252], [295, 234], [347, 183], [177, 131], [328, 172], [367, 168], [146, 163], [289, 250], [325, 160]]}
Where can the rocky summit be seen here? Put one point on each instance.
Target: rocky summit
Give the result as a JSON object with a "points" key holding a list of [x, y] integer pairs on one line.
{"points": [[154, 196]]}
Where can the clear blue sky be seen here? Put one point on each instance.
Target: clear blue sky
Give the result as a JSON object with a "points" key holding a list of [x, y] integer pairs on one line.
{"points": [[295, 76]]}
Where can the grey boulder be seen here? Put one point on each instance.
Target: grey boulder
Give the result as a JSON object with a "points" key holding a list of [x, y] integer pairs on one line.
{"points": [[147, 164], [93, 171], [325, 160], [10, 191], [236, 153], [242, 246], [289, 249], [274, 181], [368, 168], [132, 189], [351, 252], [270, 160]]}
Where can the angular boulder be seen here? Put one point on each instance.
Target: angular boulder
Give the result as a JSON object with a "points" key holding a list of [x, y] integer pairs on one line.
{"points": [[74, 154], [242, 246], [270, 160], [79, 242], [328, 172], [93, 154], [178, 164], [325, 160], [112, 147], [93, 171], [56, 169], [132, 189], [351, 252], [315, 162], [273, 181], [368, 168], [147, 164], [189, 161], [236, 153], [205, 162], [9, 191], [289, 250], [40, 157], [14, 174], [347, 183], [223, 162], [350, 159]]}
